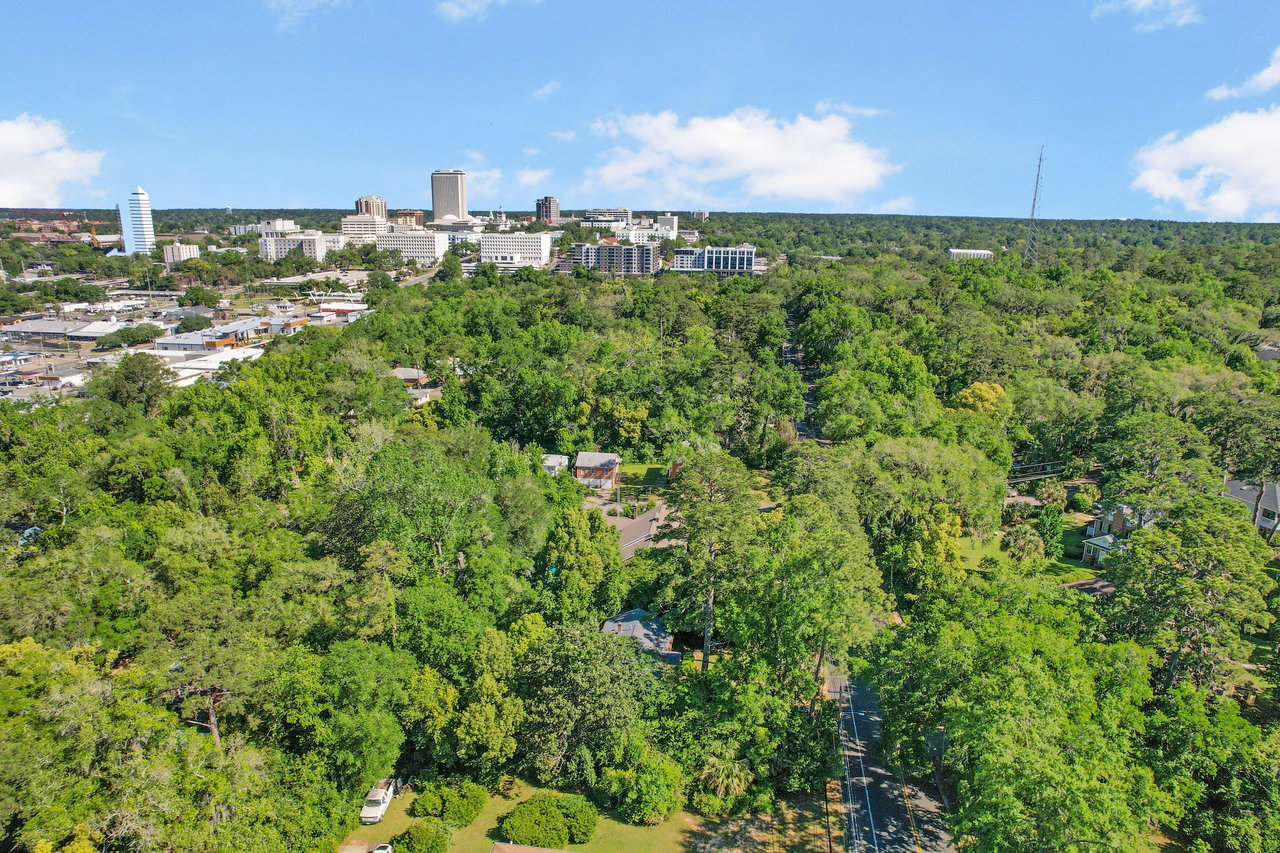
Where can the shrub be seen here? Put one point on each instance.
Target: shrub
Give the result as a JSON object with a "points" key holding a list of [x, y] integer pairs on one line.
{"points": [[538, 822], [423, 836], [580, 816], [428, 803], [461, 805], [650, 792], [456, 805], [1085, 497]]}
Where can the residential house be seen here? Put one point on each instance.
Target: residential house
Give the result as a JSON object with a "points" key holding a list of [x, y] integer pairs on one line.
{"points": [[1097, 548], [1263, 511], [647, 630], [1118, 521], [553, 463], [598, 470]]}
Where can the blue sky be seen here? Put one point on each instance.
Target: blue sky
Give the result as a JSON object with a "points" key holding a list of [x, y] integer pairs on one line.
{"points": [[1147, 108]]}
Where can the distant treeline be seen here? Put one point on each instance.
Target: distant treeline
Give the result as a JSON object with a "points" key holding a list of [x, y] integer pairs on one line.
{"points": [[845, 235]]}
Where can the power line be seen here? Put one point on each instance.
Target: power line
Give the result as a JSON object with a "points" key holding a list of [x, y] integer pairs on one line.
{"points": [[1029, 249]]}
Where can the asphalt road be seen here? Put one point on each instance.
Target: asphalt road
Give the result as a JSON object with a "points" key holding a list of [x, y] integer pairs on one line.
{"points": [[887, 814]]}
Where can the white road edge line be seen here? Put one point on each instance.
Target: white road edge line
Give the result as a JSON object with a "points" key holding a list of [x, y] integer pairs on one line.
{"points": [[866, 789]]}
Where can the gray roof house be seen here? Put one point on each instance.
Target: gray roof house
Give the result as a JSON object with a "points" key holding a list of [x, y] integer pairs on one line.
{"points": [[1267, 510], [648, 631]]}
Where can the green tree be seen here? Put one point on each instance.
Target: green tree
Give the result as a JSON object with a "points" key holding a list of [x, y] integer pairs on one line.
{"points": [[711, 514], [1192, 588], [139, 379], [193, 323]]}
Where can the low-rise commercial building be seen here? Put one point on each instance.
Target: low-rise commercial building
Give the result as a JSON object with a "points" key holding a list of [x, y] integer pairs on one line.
{"points": [[425, 247], [517, 249], [606, 217], [970, 254], [722, 260], [363, 227], [313, 244]]}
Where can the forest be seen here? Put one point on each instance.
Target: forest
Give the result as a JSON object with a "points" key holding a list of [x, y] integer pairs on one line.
{"points": [[227, 609]]}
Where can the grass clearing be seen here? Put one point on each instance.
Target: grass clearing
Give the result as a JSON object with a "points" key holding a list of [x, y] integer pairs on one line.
{"points": [[796, 826], [396, 821], [974, 549], [643, 474], [611, 835]]}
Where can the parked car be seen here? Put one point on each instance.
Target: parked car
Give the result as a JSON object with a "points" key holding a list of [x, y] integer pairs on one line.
{"points": [[384, 848], [377, 801]]}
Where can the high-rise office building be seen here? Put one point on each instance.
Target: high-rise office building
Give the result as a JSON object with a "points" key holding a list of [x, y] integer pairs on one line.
{"points": [[371, 205], [449, 195], [139, 234], [548, 209]]}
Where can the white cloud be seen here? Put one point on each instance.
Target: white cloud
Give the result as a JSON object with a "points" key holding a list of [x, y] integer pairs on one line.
{"points": [[546, 90], [290, 12], [1265, 80], [461, 10], [901, 204], [532, 177], [483, 182], [826, 107], [475, 155], [36, 160], [1153, 14], [564, 135], [531, 152], [1226, 170], [746, 154]]}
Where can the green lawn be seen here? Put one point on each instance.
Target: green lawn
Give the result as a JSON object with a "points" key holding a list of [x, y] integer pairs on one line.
{"points": [[611, 836], [395, 822], [973, 549], [643, 474]]}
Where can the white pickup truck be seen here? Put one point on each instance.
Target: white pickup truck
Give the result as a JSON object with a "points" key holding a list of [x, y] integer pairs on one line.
{"points": [[377, 801]]}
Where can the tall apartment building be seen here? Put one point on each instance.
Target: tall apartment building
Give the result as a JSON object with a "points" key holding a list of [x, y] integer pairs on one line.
{"points": [[516, 249], [176, 253], [364, 227], [547, 209], [449, 195], [139, 233], [237, 230], [410, 217], [610, 257], [425, 247], [701, 215], [722, 260], [667, 221], [371, 205], [606, 217]]}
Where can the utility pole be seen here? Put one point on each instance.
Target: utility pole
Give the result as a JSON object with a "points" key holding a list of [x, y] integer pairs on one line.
{"points": [[1029, 249]]}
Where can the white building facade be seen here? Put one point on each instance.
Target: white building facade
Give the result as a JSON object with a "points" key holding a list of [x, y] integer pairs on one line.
{"points": [[449, 195], [722, 260], [140, 233], [313, 244], [364, 227], [516, 249], [179, 252], [425, 247]]}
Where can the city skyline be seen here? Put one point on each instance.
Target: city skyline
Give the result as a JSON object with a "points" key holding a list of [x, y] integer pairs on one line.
{"points": [[1147, 108]]}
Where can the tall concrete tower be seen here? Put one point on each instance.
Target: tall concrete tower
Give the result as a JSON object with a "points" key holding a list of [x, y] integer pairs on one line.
{"points": [[449, 195], [139, 234]]}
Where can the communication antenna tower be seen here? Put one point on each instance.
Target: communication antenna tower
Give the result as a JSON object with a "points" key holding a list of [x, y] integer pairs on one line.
{"points": [[1029, 250]]}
